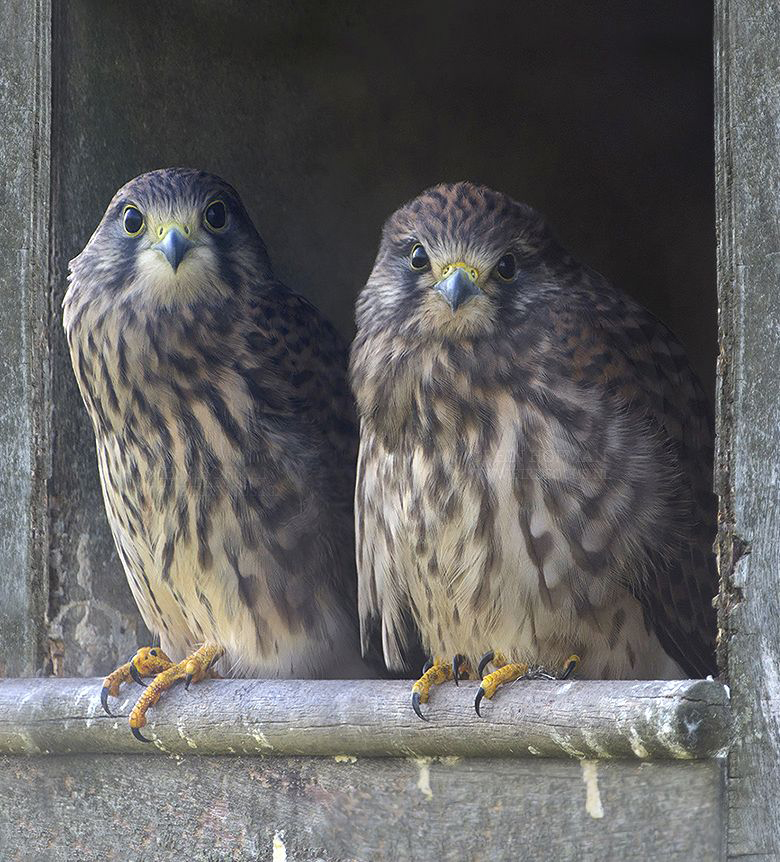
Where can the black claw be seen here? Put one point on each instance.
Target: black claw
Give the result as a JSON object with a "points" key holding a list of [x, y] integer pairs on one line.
{"points": [[416, 705], [104, 701], [187, 681], [427, 666], [136, 676], [457, 661], [484, 662], [569, 670], [478, 700], [138, 735]]}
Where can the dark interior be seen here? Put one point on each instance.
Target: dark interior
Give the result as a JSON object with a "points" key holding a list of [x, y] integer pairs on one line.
{"points": [[328, 115]]}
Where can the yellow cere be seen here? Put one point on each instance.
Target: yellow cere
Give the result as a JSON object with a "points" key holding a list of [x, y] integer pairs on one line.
{"points": [[163, 229], [470, 271]]}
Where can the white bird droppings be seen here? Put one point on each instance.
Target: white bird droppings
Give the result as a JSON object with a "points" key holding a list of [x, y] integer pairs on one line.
{"points": [[262, 740], [590, 777], [636, 743], [424, 778], [279, 850]]}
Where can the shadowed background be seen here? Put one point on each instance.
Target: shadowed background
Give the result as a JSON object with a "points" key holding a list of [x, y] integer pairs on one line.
{"points": [[328, 115]]}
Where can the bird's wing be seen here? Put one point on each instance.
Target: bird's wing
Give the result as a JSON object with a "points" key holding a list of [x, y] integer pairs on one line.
{"points": [[619, 347], [300, 466], [386, 627], [310, 359]]}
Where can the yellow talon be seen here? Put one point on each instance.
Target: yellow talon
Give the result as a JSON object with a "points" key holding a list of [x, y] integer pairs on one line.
{"points": [[193, 669], [440, 671], [148, 661], [570, 665], [506, 673]]}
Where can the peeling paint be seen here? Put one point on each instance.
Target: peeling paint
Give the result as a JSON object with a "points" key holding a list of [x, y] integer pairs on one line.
{"points": [[590, 777]]}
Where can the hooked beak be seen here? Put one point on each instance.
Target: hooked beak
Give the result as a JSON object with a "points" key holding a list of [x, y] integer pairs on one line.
{"points": [[174, 245], [458, 288]]}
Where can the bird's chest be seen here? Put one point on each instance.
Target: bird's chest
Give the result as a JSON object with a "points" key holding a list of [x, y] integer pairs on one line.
{"points": [[139, 480], [455, 511]]}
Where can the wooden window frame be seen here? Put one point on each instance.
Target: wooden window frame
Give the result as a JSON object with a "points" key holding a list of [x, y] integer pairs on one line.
{"points": [[639, 721]]}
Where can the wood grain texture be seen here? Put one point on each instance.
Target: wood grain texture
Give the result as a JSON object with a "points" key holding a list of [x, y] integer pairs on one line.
{"points": [[25, 97], [373, 810], [748, 461], [684, 719]]}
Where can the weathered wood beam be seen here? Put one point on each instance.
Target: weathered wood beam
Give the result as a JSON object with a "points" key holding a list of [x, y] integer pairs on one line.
{"points": [[25, 99], [747, 101], [639, 720]]}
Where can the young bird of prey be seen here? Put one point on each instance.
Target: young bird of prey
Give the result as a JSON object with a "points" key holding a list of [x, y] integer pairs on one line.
{"points": [[534, 476], [225, 439]]}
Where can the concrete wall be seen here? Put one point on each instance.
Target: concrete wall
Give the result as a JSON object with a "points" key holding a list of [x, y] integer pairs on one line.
{"points": [[326, 116]]}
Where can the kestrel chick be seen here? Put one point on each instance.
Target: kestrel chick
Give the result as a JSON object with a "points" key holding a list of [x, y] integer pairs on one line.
{"points": [[534, 477], [225, 438]]}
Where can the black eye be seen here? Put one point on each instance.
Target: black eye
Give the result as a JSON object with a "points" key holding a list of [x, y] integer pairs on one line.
{"points": [[507, 267], [215, 215], [132, 220], [418, 259]]}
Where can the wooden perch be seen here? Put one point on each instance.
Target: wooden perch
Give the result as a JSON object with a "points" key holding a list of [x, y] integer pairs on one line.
{"points": [[638, 720]]}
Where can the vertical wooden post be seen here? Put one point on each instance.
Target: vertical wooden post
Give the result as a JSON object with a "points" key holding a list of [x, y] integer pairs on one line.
{"points": [[747, 96], [25, 98]]}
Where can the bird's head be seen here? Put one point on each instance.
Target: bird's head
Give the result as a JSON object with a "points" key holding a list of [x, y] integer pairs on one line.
{"points": [[172, 237], [455, 261]]}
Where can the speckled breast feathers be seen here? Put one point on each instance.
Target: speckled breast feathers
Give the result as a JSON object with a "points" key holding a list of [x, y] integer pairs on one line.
{"points": [[223, 427], [534, 469]]}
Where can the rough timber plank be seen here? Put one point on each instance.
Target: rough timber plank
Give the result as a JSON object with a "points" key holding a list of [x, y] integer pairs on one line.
{"points": [[373, 810], [24, 258], [748, 198], [684, 719]]}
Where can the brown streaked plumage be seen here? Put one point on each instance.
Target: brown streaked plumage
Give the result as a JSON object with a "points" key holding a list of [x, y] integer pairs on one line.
{"points": [[534, 473], [224, 431]]}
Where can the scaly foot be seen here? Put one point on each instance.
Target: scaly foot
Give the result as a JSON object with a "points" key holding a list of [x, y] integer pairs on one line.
{"points": [[153, 662], [193, 669], [435, 673], [148, 661], [509, 672]]}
